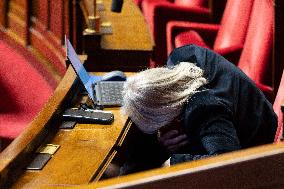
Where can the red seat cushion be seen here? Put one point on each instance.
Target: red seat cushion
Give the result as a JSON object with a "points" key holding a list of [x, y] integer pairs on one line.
{"points": [[234, 24], [199, 3], [231, 32], [158, 13], [189, 37], [256, 56], [23, 92]]}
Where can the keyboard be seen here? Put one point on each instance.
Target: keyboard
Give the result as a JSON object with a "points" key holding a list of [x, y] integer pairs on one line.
{"points": [[109, 93]]}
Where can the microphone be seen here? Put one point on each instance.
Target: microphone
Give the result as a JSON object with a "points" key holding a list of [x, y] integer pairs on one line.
{"points": [[116, 5]]}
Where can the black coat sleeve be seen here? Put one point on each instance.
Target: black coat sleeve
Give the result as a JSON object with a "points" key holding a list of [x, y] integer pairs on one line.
{"points": [[210, 127], [141, 152]]}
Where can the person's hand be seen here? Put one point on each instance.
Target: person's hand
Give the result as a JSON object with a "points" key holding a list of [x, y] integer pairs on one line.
{"points": [[172, 140]]}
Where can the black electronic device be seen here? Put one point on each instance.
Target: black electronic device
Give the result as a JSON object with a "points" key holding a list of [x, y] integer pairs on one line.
{"points": [[116, 5], [88, 116]]}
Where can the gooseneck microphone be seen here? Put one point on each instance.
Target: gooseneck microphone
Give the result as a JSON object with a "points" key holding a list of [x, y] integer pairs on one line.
{"points": [[116, 5]]}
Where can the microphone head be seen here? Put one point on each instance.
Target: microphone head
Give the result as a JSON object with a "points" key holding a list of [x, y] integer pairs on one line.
{"points": [[116, 5]]}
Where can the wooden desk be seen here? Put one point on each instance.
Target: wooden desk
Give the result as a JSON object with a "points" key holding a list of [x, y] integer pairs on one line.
{"points": [[259, 167], [128, 48], [84, 150]]}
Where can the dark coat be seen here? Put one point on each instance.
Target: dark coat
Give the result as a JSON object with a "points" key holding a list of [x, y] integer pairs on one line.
{"points": [[229, 113]]}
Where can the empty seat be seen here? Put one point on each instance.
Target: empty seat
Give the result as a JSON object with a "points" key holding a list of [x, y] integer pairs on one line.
{"points": [[256, 57], [226, 38], [24, 91], [256, 53], [158, 13]]}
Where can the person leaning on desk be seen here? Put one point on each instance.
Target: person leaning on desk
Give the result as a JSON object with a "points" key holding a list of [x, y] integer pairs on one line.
{"points": [[200, 105]]}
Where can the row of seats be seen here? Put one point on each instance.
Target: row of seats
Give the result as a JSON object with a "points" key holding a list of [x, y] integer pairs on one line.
{"points": [[158, 13], [32, 60], [239, 37], [24, 91], [217, 37], [244, 35]]}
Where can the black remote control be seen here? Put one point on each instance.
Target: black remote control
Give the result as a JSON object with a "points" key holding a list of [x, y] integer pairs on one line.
{"points": [[88, 116]]}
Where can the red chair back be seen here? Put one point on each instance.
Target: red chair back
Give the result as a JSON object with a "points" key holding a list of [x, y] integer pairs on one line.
{"points": [[277, 108], [158, 13], [256, 55], [24, 91], [234, 24]]}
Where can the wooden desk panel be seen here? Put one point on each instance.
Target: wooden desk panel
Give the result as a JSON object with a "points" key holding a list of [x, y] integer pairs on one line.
{"points": [[259, 167], [128, 48], [130, 30], [84, 151]]}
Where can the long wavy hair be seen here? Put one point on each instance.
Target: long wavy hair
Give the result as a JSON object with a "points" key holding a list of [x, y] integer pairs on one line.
{"points": [[155, 97]]}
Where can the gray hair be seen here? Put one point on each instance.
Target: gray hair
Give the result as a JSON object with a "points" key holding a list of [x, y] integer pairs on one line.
{"points": [[155, 97]]}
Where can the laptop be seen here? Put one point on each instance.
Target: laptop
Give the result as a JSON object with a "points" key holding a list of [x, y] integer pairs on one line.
{"points": [[102, 93]]}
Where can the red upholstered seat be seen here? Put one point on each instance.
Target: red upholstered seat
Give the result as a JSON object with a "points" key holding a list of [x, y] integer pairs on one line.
{"points": [[159, 12], [226, 38], [203, 3], [277, 108], [256, 56], [194, 37], [199, 3], [24, 91]]}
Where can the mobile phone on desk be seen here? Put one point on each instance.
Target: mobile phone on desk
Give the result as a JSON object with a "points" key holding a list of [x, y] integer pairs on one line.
{"points": [[88, 116]]}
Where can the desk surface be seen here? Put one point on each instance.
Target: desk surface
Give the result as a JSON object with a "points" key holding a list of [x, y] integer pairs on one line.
{"points": [[84, 150], [130, 45]]}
